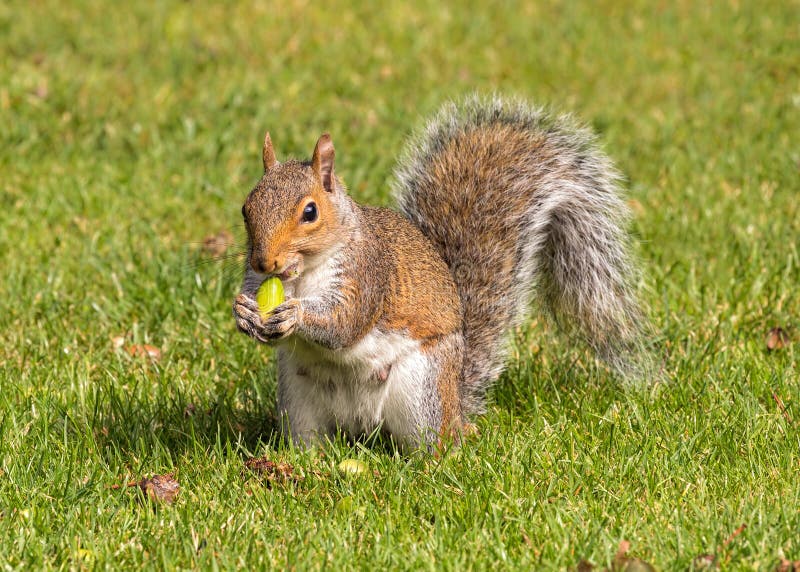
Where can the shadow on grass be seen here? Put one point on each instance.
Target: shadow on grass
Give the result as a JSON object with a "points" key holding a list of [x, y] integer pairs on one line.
{"points": [[144, 415], [129, 421]]}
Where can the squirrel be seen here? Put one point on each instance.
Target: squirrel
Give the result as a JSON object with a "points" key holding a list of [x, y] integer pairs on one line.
{"points": [[398, 320]]}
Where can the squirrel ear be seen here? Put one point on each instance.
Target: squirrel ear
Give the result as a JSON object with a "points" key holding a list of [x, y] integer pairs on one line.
{"points": [[268, 154], [322, 162]]}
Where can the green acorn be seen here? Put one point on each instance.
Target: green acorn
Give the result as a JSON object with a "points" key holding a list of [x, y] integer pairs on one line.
{"points": [[270, 296]]}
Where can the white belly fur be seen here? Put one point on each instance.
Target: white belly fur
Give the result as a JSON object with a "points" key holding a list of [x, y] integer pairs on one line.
{"points": [[321, 390]]}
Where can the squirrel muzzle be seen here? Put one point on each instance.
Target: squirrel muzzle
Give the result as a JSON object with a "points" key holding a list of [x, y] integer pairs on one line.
{"points": [[284, 266]]}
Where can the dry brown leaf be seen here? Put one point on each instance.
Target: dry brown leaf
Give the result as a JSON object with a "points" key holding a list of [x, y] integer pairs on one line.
{"points": [[280, 472], [777, 339], [160, 488], [217, 244], [144, 350], [788, 566]]}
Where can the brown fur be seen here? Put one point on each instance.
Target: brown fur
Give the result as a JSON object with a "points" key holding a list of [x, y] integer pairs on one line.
{"points": [[420, 296], [421, 299], [451, 356], [498, 201], [522, 203]]}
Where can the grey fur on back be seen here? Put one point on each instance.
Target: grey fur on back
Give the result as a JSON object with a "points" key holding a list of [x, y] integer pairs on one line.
{"points": [[521, 203]]}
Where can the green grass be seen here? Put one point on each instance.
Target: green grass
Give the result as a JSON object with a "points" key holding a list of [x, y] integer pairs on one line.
{"points": [[128, 134]]}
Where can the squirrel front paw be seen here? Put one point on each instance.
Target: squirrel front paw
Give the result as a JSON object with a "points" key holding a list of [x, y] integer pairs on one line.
{"points": [[281, 322]]}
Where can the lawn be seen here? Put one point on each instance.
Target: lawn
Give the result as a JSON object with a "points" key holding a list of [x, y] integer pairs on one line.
{"points": [[129, 134]]}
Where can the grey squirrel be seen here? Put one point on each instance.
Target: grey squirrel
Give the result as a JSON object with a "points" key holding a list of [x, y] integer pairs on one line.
{"points": [[399, 320]]}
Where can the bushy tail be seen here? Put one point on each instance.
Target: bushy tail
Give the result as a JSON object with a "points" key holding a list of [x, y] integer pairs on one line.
{"points": [[521, 204]]}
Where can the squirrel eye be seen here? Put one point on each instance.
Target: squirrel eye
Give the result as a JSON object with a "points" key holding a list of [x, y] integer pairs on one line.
{"points": [[310, 212]]}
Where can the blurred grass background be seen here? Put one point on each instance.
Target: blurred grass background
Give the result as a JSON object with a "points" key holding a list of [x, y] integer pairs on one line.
{"points": [[129, 133]]}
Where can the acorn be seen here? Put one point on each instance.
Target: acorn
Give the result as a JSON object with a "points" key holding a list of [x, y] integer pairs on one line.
{"points": [[270, 296], [353, 467]]}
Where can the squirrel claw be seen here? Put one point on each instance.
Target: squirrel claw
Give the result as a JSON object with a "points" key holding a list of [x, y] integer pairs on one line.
{"points": [[248, 320], [280, 323], [246, 301], [283, 320]]}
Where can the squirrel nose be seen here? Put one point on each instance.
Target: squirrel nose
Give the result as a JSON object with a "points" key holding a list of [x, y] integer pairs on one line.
{"points": [[263, 266]]}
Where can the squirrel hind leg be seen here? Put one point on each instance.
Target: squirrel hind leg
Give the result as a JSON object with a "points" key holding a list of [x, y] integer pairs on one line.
{"points": [[423, 403]]}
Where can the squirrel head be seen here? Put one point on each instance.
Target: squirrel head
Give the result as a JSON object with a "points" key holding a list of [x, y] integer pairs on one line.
{"points": [[292, 214]]}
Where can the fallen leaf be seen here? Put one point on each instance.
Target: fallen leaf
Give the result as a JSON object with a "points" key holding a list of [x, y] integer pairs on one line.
{"points": [[160, 488], [788, 566], [777, 339], [710, 561], [282, 472], [144, 350], [117, 342], [217, 244]]}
